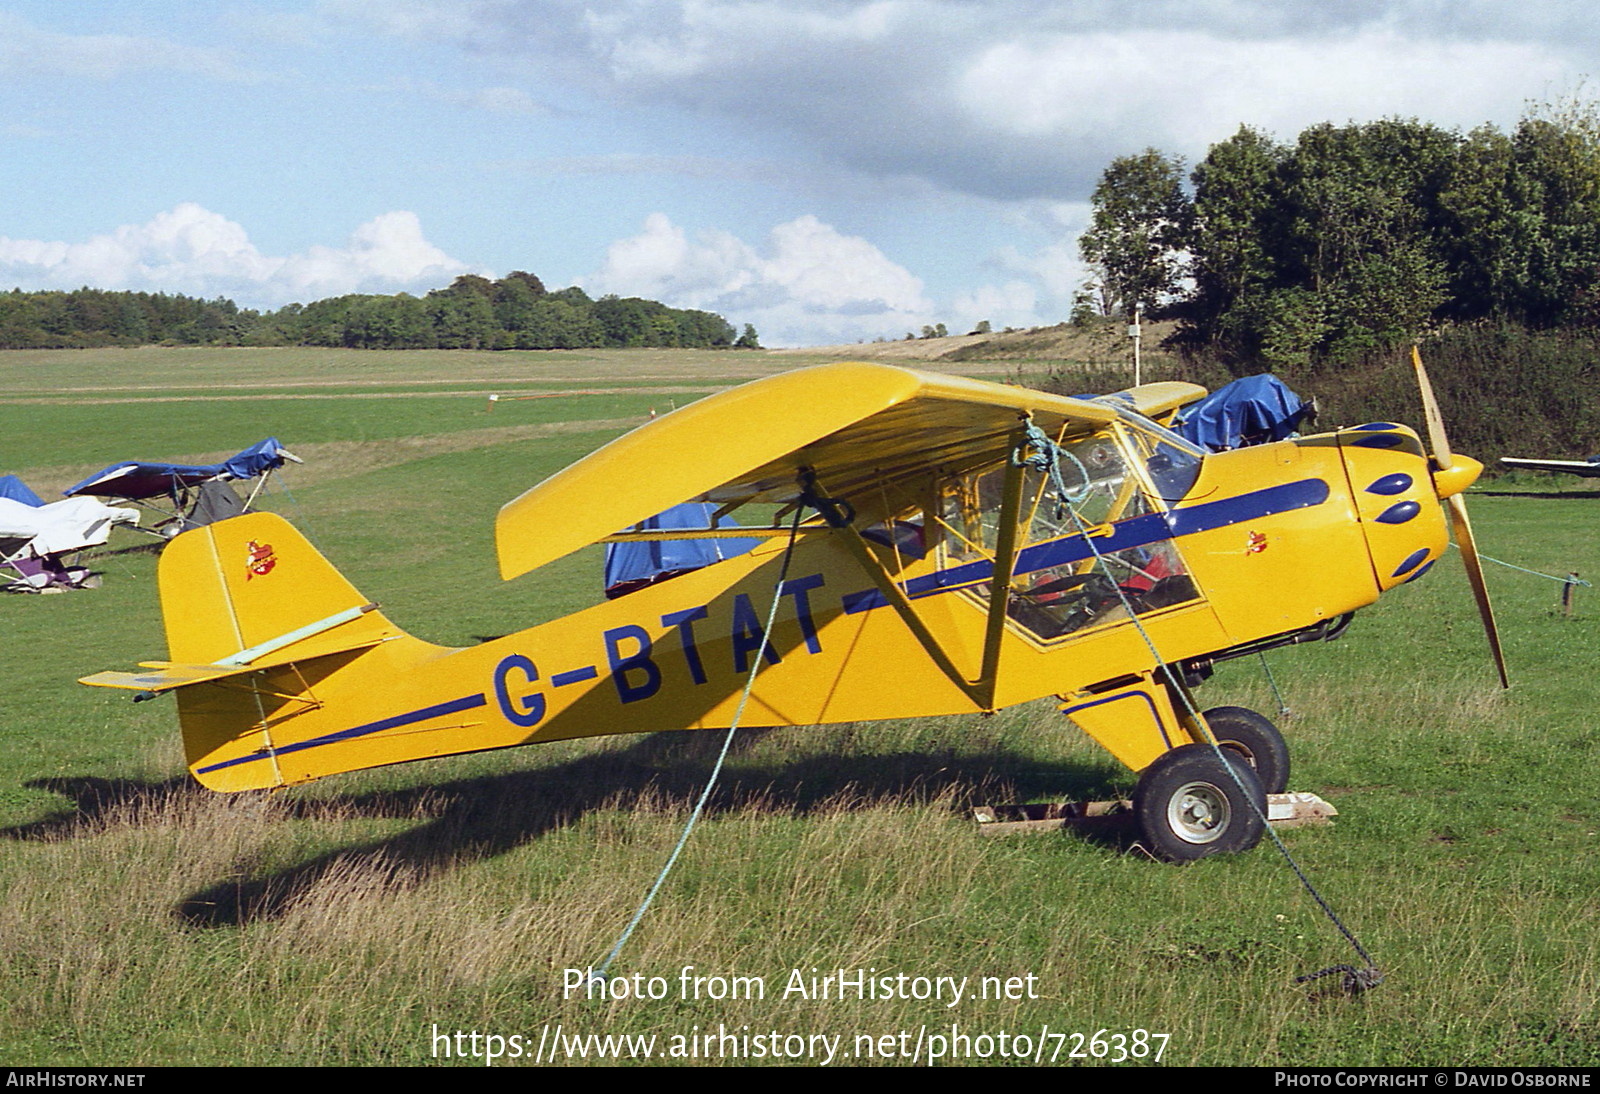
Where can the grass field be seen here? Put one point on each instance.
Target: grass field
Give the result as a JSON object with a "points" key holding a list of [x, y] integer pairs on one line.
{"points": [[145, 922]]}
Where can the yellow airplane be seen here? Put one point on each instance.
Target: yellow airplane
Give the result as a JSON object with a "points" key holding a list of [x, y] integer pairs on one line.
{"points": [[928, 544]]}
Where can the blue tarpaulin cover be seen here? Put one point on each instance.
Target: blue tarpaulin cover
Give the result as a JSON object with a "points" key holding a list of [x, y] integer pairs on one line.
{"points": [[645, 560], [136, 481], [16, 490], [1254, 410]]}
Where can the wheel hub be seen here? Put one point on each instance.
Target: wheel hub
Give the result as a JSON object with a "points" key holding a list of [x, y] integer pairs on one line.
{"points": [[1198, 813]]}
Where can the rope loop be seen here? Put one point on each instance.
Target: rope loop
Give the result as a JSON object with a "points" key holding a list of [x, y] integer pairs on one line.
{"points": [[1046, 459], [1356, 980]]}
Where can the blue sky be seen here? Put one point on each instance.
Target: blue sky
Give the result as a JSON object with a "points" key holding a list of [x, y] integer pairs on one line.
{"points": [[826, 170]]}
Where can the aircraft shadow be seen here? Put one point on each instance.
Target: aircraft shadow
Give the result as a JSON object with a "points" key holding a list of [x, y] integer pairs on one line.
{"points": [[480, 818], [94, 800]]}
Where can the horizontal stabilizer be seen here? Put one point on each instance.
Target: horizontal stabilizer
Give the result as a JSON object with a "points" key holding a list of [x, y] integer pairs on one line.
{"points": [[167, 675], [321, 638]]}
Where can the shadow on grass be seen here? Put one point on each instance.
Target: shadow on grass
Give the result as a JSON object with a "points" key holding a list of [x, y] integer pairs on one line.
{"points": [[478, 818], [94, 800]]}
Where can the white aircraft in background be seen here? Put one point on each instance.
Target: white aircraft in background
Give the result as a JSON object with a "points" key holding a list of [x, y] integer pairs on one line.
{"points": [[1589, 468]]}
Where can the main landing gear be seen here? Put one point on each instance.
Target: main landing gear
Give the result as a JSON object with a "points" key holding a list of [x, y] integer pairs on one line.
{"points": [[1190, 802], [1188, 805], [1256, 740]]}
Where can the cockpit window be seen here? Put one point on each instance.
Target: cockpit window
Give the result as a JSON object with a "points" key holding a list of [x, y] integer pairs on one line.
{"points": [[1061, 583]]}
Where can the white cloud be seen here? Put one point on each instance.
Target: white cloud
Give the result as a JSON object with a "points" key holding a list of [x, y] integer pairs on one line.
{"points": [[1054, 269], [1016, 98], [832, 272], [634, 163], [27, 48], [1013, 304], [501, 100], [193, 251], [810, 284], [424, 20], [1057, 87]]}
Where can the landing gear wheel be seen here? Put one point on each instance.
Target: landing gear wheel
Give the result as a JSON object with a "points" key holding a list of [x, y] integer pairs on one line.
{"points": [[1189, 807], [1254, 737]]}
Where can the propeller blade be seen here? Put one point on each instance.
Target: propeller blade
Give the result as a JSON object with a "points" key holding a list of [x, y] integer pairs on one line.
{"points": [[1442, 456], [1480, 591]]}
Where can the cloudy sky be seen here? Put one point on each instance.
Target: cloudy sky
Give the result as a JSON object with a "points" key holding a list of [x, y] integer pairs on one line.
{"points": [[827, 170]]}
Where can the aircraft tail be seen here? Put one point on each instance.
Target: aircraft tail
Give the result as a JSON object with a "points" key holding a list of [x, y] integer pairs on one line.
{"points": [[264, 635]]}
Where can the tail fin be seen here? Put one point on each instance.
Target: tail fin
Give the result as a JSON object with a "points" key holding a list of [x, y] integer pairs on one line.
{"points": [[242, 584], [259, 617]]}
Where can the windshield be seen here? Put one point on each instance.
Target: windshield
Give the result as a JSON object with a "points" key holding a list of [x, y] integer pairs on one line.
{"points": [[1172, 462]]}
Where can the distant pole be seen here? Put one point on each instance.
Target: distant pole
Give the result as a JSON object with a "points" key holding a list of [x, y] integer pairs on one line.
{"points": [[1567, 589], [1133, 332]]}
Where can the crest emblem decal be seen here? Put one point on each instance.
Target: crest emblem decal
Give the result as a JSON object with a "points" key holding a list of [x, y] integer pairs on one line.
{"points": [[260, 560]]}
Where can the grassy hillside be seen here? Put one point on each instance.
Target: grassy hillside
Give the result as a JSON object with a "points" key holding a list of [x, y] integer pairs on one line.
{"points": [[353, 921], [1100, 344]]}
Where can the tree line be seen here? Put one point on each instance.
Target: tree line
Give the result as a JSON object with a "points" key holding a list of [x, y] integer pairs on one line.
{"points": [[1355, 239], [513, 312]]}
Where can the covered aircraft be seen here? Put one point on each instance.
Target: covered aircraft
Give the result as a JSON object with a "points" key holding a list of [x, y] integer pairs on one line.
{"points": [[639, 563], [38, 540], [1251, 410], [187, 495]]}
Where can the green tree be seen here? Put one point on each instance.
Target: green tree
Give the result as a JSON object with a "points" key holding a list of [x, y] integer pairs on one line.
{"points": [[663, 330], [559, 324], [468, 285], [1556, 205], [1237, 203], [703, 329], [522, 278], [515, 302], [572, 295], [461, 320], [1138, 229], [626, 322], [1330, 248]]}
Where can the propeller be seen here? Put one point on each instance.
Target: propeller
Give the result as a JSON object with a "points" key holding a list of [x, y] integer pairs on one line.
{"points": [[1449, 487]]}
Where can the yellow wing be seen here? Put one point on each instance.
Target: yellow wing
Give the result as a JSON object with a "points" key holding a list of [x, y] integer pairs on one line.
{"points": [[857, 426]]}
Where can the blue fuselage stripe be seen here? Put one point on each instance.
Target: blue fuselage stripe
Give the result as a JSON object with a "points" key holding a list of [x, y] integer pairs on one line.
{"points": [[1138, 532], [576, 676], [437, 711]]}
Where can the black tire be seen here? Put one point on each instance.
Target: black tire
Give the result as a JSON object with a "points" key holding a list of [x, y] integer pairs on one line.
{"points": [[1253, 736], [1188, 807]]}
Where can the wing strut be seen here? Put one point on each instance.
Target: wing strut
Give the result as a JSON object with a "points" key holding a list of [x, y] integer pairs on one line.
{"points": [[1005, 560]]}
